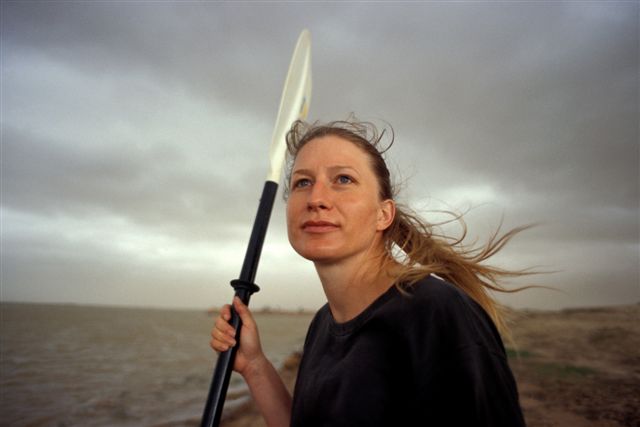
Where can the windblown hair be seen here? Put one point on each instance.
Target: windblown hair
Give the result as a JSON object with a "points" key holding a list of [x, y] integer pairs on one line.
{"points": [[423, 250]]}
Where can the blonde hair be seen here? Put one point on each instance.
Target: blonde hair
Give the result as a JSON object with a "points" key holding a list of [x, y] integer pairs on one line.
{"points": [[424, 251]]}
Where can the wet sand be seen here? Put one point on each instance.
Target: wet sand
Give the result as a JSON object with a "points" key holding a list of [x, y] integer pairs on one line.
{"points": [[578, 368]]}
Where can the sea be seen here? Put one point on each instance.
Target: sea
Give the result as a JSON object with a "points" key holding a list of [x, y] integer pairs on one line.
{"points": [[74, 365]]}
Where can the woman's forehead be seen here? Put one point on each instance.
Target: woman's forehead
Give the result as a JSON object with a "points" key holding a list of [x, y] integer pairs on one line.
{"points": [[332, 149]]}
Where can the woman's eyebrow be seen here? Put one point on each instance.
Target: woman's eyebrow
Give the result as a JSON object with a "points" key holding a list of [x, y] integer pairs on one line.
{"points": [[301, 172], [337, 168], [331, 169]]}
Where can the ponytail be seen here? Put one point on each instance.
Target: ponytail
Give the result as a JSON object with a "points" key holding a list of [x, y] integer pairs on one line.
{"points": [[422, 252]]}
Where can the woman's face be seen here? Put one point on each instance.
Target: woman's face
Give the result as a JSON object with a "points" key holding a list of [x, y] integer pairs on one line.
{"points": [[334, 211]]}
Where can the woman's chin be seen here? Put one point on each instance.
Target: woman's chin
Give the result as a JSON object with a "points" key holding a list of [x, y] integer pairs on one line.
{"points": [[318, 255]]}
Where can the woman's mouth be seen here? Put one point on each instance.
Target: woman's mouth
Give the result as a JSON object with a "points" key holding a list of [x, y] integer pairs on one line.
{"points": [[319, 226]]}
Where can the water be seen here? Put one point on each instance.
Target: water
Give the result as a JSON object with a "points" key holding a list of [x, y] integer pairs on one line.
{"points": [[66, 365]]}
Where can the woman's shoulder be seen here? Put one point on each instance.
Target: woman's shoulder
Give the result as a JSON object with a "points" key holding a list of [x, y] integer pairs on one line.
{"points": [[437, 304], [435, 293]]}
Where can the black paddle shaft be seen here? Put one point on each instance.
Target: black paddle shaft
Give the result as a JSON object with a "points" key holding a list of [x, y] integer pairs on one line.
{"points": [[244, 288]]}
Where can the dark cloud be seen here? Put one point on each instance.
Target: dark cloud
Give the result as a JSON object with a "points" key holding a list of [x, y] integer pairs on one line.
{"points": [[137, 111], [224, 51], [153, 188]]}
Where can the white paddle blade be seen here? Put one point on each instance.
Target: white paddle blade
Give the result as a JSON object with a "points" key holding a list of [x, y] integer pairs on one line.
{"points": [[294, 103]]}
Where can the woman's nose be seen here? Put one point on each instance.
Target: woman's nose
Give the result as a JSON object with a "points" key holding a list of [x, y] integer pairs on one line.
{"points": [[319, 197]]}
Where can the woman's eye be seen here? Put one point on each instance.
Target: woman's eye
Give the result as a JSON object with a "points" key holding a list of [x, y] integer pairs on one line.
{"points": [[303, 182], [344, 179]]}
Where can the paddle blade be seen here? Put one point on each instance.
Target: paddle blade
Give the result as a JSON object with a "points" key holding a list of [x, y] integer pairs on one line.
{"points": [[294, 103]]}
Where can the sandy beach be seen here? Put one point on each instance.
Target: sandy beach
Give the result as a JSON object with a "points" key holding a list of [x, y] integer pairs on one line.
{"points": [[575, 367]]}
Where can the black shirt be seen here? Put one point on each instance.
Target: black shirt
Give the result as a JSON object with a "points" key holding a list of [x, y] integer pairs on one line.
{"points": [[432, 358]]}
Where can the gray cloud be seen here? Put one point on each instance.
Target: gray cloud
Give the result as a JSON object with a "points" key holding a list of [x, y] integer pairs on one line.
{"points": [[153, 117]]}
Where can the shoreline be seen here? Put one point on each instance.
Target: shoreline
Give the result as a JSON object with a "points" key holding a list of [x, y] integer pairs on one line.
{"points": [[247, 414]]}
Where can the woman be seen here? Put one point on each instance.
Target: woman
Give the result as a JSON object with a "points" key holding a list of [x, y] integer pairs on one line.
{"points": [[395, 344]]}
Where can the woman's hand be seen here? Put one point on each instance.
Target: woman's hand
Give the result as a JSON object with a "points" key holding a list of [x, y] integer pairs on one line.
{"points": [[249, 355], [268, 390]]}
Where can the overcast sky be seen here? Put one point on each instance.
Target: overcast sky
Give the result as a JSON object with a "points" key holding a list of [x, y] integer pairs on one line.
{"points": [[135, 138]]}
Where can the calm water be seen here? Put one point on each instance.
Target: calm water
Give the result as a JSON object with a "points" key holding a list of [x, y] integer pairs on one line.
{"points": [[96, 366]]}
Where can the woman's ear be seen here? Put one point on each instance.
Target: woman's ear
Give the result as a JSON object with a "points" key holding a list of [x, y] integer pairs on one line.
{"points": [[386, 214]]}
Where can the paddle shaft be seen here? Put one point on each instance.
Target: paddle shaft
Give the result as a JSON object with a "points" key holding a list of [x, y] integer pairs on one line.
{"points": [[244, 288]]}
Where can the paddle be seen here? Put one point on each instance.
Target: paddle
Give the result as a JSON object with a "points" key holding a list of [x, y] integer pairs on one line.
{"points": [[294, 105]]}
